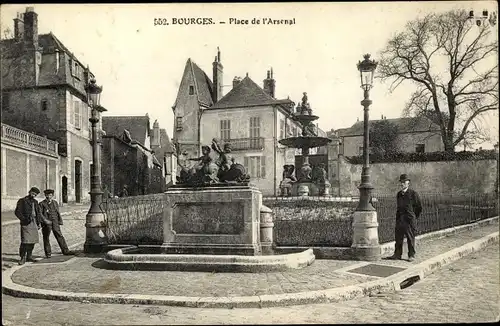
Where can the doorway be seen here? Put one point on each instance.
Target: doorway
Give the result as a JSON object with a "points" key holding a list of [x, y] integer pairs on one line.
{"points": [[78, 181], [64, 189]]}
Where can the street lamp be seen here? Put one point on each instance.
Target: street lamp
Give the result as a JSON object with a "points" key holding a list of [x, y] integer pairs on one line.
{"points": [[95, 238], [365, 225]]}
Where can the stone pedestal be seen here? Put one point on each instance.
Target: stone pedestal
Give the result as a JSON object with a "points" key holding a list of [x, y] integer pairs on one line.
{"points": [[365, 243], [217, 219], [266, 230]]}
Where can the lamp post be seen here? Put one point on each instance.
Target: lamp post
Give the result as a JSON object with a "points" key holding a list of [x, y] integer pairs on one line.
{"points": [[365, 243], [95, 238]]}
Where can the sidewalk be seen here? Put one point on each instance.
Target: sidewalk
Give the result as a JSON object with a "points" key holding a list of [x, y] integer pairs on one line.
{"points": [[84, 278], [9, 217]]}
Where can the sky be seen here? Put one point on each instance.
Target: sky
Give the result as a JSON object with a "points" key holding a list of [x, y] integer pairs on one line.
{"points": [[140, 65]]}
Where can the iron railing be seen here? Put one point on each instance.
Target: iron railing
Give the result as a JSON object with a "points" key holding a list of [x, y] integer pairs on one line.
{"points": [[320, 221], [135, 220], [28, 140]]}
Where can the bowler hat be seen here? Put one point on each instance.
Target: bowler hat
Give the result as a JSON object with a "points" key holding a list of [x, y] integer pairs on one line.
{"points": [[35, 190], [48, 191], [403, 177]]}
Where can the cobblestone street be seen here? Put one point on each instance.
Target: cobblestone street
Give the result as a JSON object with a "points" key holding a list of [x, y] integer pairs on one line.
{"points": [[464, 291]]}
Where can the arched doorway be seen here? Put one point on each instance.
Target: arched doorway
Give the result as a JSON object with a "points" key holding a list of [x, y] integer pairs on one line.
{"points": [[64, 189]]}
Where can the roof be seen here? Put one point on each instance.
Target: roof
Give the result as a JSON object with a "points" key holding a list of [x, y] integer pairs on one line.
{"points": [[203, 84], [138, 126], [49, 42], [165, 142], [405, 125], [246, 93]]}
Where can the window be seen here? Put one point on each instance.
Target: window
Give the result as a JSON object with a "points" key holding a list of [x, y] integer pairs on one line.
{"points": [[89, 115], [78, 114], [191, 90], [255, 166], [178, 123], [5, 101], [225, 129], [45, 105], [282, 129], [360, 150], [294, 131], [420, 148], [254, 132]]}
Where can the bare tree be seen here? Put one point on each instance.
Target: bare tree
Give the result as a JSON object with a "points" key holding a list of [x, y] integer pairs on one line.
{"points": [[454, 65]]}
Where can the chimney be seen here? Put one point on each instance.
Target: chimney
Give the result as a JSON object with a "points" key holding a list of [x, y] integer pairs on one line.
{"points": [[270, 83], [217, 77], [236, 81], [31, 27], [155, 140], [19, 27]]}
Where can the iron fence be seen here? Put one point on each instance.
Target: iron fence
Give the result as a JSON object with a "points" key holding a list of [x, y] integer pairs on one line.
{"points": [[439, 211], [320, 221], [135, 220]]}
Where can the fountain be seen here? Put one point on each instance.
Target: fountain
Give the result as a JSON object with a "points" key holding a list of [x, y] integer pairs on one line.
{"points": [[212, 220], [312, 181]]}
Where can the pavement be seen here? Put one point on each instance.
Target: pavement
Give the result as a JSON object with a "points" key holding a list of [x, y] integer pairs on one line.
{"points": [[84, 278], [464, 291]]}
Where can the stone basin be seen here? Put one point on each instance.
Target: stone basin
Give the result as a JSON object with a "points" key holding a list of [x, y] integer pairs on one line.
{"points": [[305, 141], [152, 258]]}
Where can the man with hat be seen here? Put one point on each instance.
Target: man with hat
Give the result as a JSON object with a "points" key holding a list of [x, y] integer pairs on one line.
{"points": [[52, 221], [408, 211], [28, 213]]}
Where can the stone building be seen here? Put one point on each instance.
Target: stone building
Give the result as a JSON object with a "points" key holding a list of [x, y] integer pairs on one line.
{"points": [[249, 117], [128, 155], [27, 160], [414, 135], [43, 91]]}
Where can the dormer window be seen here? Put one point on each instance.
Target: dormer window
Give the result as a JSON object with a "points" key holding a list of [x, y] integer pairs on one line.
{"points": [[191, 90]]}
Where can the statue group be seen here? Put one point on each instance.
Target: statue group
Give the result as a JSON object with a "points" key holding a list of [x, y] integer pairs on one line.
{"points": [[210, 171], [317, 176]]}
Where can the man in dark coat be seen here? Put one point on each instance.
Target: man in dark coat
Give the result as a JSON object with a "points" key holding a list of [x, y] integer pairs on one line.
{"points": [[408, 211], [52, 221], [28, 213]]}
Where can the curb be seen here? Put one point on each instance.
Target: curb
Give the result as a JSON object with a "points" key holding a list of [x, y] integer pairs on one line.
{"points": [[389, 284]]}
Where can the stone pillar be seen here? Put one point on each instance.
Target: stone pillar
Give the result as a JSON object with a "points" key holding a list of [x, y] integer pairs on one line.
{"points": [[365, 243], [266, 230], [27, 172], [4, 172]]}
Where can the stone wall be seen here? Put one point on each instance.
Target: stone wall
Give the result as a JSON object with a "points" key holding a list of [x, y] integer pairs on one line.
{"points": [[21, 170], [457, 177]]}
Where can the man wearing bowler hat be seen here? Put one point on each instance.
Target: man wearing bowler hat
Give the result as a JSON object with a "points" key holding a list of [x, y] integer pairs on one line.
{"points": [[408, 211], [52, 221], [28, 213]]}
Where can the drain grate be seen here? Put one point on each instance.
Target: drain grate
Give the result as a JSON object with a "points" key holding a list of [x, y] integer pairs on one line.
{"points": [[54, 259], [377, 270]]}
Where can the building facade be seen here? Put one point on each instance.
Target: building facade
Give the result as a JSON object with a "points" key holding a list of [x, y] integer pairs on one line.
{"points": [[28, 160], [43, 91], [414, 135], [129, 151], [249, 117]]}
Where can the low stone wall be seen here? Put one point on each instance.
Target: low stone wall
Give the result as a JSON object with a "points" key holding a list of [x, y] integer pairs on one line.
{"points": [[457, 177]]}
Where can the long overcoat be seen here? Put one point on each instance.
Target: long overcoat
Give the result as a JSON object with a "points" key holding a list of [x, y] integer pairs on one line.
{"points": [[30, 222]]}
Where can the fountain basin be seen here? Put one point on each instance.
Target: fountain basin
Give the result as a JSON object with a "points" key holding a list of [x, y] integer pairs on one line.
{"points": [[305, 141], [153, 258]]}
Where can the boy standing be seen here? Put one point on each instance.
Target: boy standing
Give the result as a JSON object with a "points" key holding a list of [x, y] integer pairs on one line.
{"points": [[52, 221]]}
